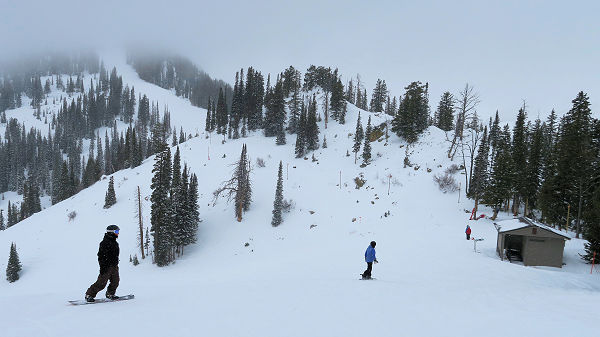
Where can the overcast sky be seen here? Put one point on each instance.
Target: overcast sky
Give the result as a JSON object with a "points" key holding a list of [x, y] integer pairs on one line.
{"points": [[543, 52]]}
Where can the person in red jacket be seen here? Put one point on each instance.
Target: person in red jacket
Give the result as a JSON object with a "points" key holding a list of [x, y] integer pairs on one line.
{"points": [[468, 232]]}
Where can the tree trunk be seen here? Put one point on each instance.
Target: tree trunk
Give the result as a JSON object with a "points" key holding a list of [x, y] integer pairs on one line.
{"points": [[580, 204]]}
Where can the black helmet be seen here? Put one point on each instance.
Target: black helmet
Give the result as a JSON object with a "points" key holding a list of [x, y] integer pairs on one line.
{"points": [[112, 229], [373, 243]]}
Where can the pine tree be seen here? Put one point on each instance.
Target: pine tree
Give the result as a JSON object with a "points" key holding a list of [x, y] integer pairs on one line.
{"points": [[358, 137], [534, 166], [519, 156], [494, 135], [161, 207], [301, 134], [192, 210], [2, 221], [110, 198], [412, 115], [208, 121], [573, 158], [312, 129], [238, 187], [379, 96], [294, 107], [367, 147], [278, 203], [479, 181], [338, 102], [14, 265], [179, 197], [445, 112], [591, 211], [275, 116], [501, 178], [221, 114]]}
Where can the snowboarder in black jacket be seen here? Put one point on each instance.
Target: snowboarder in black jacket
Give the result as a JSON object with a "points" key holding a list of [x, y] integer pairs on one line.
{"points": [[108, 258]]}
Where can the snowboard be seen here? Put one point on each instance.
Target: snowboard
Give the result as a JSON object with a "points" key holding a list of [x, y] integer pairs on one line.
{"points": [[102, 300], [366, 279]]}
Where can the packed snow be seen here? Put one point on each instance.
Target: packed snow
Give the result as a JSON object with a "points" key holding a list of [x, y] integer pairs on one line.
{"points": [[301, 278]]}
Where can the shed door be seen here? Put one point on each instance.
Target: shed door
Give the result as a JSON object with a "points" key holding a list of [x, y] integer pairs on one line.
{"points": [[539, 252]]}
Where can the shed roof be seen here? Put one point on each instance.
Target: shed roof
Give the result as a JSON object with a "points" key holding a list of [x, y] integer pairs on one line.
{"points": [[521, 222]]}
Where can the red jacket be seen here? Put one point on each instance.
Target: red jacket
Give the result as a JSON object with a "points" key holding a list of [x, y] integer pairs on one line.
{"points": [[468, 231]]}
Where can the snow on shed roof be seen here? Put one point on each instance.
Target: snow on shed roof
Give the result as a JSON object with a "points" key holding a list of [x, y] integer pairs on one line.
{"points": [[521, 222]]}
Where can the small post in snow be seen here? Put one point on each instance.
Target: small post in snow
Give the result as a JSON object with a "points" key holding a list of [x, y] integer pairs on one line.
{"points": [[287, 171], [459, 193], [593, 260], [340, 180], [389, 182], [475, 244], [209, 152]]}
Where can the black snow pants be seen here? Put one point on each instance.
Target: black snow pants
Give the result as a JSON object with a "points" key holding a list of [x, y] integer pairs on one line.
{"points": [[111, 274], [367, 273]]}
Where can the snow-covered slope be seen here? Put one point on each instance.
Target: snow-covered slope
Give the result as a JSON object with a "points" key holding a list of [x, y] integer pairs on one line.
{"points": [[293, 280]]}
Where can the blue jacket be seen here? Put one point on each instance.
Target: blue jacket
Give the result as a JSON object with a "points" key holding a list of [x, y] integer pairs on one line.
{"points": [[370, 254]]}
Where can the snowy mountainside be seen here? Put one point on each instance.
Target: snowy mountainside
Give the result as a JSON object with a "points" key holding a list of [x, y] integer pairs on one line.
{"points": [[293, 280]]}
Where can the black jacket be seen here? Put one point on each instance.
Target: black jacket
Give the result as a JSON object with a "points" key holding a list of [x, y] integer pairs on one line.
{"points": [[108, 253]]}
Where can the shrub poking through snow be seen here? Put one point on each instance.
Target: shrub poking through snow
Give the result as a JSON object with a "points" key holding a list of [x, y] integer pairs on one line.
{"points": [[446, 182]]}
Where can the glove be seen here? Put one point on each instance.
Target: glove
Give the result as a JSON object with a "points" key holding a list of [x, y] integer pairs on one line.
{"points": [[376, 261]]}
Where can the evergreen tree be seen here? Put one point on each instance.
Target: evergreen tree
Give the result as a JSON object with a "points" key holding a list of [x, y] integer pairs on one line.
{"points": [[349, 95], [301, 134], [367, 147], [312, 129], [573, 157], [534, 166], [379, 96], [445, 112], [358, 137], [179, 197], [192, 210], [412, 115], [14, 265], [275, 116], [208, 121], [243, 189], [338, 102], [494, 135], [110, 197], [2, 221], [160, 218], [501, 178], [479, 181], [519, 155], [278, 203], [294, 106], [221, 114], [591, 211]]}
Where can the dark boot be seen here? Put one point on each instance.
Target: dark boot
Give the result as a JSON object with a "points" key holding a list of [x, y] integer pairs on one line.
{"points": [[112, 297], [89, 298]]}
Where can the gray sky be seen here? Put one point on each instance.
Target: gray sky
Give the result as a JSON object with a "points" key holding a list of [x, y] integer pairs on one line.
{"points": [[543, 52]]}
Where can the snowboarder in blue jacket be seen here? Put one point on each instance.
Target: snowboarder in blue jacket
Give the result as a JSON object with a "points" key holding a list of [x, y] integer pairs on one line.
{"points": [[369, 259]]}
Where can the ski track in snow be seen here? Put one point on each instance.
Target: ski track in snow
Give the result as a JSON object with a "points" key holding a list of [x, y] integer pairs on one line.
{"points": [[291, 280]]}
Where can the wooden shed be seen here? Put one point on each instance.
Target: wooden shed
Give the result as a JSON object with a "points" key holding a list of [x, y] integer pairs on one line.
{"points": [[531, 242]]}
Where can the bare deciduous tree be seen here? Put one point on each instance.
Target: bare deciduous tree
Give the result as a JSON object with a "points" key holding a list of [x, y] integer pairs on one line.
{"points": [[466, 104]]}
